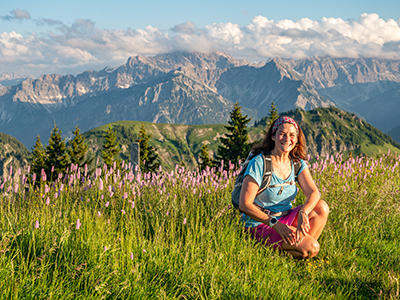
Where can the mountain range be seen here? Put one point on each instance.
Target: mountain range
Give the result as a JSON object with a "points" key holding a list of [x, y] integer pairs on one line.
{"points": [[198, 88]]}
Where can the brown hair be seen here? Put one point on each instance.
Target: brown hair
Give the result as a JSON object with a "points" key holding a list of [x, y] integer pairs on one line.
{"points": [[267, 145]]}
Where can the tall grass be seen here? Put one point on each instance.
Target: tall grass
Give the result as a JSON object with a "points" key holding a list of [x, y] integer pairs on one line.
{"points": [[172, 235]]}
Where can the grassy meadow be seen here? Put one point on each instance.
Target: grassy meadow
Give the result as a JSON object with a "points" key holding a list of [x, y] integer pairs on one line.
{"points": [[115, 234]]}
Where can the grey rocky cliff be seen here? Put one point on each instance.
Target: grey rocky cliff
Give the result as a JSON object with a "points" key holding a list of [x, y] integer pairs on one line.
{"points": [[185, 88], [191, 88]]}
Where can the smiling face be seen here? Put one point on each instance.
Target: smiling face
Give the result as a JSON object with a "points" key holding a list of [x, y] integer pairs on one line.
{"points": [[285, 138]]}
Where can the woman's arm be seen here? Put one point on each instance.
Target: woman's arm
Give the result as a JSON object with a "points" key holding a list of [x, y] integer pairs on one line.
{"points": [[312, 197], [246, 200], [246, 205]]}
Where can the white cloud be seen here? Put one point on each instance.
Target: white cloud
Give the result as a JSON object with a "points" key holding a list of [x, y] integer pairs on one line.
{"points": [[82, 46]]}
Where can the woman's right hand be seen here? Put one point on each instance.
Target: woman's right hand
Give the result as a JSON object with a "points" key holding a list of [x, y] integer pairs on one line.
{"points": [[287, 233]]}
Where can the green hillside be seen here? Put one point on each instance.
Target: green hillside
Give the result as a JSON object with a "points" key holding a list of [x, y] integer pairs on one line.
{"points": [[12, 153], [175, 144], [329, 130]]}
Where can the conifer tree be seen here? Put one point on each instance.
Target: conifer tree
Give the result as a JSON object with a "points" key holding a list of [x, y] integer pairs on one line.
{"points": [[78, 150], [57, 157], [273, 114], [204, 158], [235, 146], [148, 156], [38, 160], [111, 148]]}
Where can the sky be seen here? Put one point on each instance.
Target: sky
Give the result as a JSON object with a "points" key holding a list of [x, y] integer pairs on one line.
{"points": [[68, 37]]}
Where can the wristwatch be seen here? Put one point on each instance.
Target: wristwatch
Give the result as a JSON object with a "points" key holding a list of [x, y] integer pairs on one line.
{"points": [[272, 221]]}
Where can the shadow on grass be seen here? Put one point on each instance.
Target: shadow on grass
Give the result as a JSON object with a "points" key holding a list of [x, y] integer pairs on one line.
{"points": [[355, 289]]}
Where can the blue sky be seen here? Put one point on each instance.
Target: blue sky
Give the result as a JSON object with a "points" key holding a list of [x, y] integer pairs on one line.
{"points": [[40, 37]]}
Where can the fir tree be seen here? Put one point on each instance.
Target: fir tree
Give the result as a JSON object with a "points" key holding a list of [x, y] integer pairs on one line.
{"points": [[235, 146], [148, 156], [273, 114], [111, 148], [78, 150], [204, 158], [38, 160], [57, 157]]}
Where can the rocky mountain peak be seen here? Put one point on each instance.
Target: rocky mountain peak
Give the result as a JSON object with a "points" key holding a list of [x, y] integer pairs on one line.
{"points": [[329, 72]]}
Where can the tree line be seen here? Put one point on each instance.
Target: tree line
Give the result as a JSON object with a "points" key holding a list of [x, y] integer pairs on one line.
{"points": [[56, 157]]}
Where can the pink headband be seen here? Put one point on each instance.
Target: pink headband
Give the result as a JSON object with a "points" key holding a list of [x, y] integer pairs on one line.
{"points": [[282, 120]]}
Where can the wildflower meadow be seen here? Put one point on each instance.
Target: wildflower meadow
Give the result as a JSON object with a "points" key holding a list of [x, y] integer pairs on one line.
{"points": [[116, 233]]}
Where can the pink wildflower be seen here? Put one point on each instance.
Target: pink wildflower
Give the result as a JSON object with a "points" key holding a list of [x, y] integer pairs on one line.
{"points": [[99, 214], [184, 221], [125, 195], [124, 212], [44, 177], [78, 224], [107, 204], [37, 224], [131, 256], [100, 184], [48, 201]]}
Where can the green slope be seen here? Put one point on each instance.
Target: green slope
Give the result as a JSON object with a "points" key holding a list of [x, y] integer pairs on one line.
{"points": [[12, 153], [328, 130], [175, 144]]}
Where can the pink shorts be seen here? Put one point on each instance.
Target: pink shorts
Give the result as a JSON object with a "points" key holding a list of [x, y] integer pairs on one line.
{"points": [[268, 235]]}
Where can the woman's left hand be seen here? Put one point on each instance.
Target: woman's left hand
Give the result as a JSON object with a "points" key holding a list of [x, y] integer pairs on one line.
{"points": [[303, 224]]}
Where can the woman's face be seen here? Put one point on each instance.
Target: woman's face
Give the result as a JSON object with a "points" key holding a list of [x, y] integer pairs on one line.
{"points": [[285, 137]]}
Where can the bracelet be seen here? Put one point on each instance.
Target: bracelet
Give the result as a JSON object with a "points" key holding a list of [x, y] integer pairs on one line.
{"points": [[302, 211]]}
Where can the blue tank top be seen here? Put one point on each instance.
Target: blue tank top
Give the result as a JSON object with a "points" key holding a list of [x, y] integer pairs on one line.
{"points": [[270, 198]]}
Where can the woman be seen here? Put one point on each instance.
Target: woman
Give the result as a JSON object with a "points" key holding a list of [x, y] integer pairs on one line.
{"points": [[296, 230]]}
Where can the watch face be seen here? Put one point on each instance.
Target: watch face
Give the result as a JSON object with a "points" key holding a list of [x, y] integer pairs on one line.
{"points": [[273, 220]]}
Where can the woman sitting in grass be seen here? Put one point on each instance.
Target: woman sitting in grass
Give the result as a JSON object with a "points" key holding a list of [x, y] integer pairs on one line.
{"points": [[269, 216]]}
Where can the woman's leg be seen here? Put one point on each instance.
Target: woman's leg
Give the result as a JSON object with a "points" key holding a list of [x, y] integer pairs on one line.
{"points": [[309, 247], [317, 219]]}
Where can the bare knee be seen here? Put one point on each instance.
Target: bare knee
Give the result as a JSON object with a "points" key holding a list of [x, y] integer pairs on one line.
{"points": [[322, 208], [311, 249]]}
